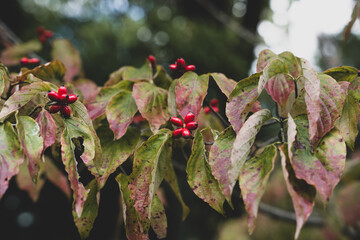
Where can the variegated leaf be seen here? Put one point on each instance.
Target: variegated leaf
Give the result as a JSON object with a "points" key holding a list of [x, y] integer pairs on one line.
{"points": [[199, 176], [138, 74], [275, 67], [343, 73], [152, 104], [190, 91], [253, 179], [302, 194], [321, 169], [265, 57], [172, 99], [161, 78], [25, 182], [242, 145], [293, 64], [241, 100], [158, 219], [47, 128], [225, 84]]}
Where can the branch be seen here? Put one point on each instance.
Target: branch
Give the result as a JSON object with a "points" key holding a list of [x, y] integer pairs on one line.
{"points": [[217, 114]]}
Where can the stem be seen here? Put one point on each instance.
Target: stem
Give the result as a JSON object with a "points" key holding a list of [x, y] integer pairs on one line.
{"points": [[36, 108], [217, 114]]}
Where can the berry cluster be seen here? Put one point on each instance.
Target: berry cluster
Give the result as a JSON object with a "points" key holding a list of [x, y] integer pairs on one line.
{"points": [[62, 100], [180, 67], [29, 62], [44, 34], [186, 128], [214, 105]]}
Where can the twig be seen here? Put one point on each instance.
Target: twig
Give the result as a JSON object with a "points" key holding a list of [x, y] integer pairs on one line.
{"points": [[217, 114], [267, 142]]}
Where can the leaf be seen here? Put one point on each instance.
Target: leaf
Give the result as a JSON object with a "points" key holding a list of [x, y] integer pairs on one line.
{"points": [[349, 118], [331, 100], [22, 97], [265, 57], [4, 79], [302, 194], [321, 169], [88, 88], [114, 153], [11, 55], [97, 108], [148, 172], [171, 179], [220, 159], [31, 142], [75, 128], [190, 91], [63, 50], [24, 182], [348, 204], [120, 111], [280, 88], [137, 74], [152, 104], [343, 73], [172, 99], [85, 221], [47, 128], [161, 78], [242, 145], [133, 226], [158, 218], [275, 67], [225, 84], [312, 96], [253, 180], [241, 99], [11, 155], [54, 175], [53, 71], [293, 64], [199, 176], [354, 16]]}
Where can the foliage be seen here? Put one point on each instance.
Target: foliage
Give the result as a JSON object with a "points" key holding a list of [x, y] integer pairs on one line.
{"points": [[128, 122]]}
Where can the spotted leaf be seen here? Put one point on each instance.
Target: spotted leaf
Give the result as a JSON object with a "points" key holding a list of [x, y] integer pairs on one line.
{"points": [[225, 84], [265, 57], [343, 73]]}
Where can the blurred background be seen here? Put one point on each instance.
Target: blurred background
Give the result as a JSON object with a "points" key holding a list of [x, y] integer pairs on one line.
{"points": [[216, 36]]}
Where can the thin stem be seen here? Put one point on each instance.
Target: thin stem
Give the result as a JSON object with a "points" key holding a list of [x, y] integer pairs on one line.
{"points": [[36, 108], [217, 114]]}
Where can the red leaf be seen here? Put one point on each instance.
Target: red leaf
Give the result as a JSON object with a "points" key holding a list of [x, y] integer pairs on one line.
{"points": [[47, 128], [265, 57]]}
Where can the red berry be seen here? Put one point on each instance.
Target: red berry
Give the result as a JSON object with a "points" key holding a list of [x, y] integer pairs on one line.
{"points": [[40, 30], [180, 63], [207, 110], [192, 125], [177, 133], [63, 98], [24, 60], [189, 117], [34, 61], [186, 133], [55, 108], [48, 34], [62, 90], [176, 121], [152, 60], [71, 99], [42, 38], [65, 111], [216, 109], [214, 102], [190, 68], [54, 96], [173, 67]]}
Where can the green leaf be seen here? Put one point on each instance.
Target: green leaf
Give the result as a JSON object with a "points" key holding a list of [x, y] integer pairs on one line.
{"points": [[242, 145], [158, 218], [114, 153], [332, 99], [132, 219], [11, 155], [31, 142], [85, 221], [220, 159], [344, 73], [302, 194], [253, 180], [241, 100], [172, 99], [265, 57], [293, 64], [53, 71], [63, 50], [75, 128], [349, 118], [225, 84], [138, 74], [11, 55], [4, 79], [199, 176], [149, 168], [152, 104], [47, 128], [161, 78], [171, 179], [120, 111], [97, 108], [321, 169], [190, 91]]}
